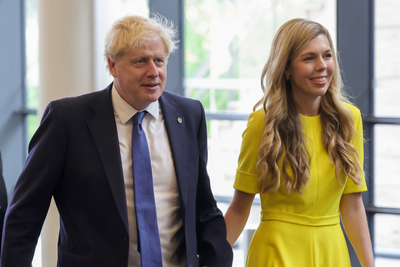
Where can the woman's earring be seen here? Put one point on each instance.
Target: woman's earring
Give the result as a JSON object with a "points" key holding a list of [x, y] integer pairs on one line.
{"points": [[287, 77]]}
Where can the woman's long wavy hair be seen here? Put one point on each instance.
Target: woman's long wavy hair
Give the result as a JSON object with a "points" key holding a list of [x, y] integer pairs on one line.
{"points": [[283, 133]]}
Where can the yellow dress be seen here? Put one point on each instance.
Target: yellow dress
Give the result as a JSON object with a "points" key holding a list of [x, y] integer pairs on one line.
{"points": [[298, 230]]}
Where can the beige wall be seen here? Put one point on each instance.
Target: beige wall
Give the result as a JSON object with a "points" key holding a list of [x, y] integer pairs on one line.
{"points": [[66, 36]]}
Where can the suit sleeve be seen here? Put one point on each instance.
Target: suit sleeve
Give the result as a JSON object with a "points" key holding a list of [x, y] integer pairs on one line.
{"points": [[3, 197], [213, 248], [33, 191]]}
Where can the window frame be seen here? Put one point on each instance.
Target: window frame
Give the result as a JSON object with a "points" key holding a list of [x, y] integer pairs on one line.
{"points": [[356, 30]]}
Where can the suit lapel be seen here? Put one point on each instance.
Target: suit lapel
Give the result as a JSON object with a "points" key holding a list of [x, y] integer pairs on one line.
{"points": [[104, 132], [175, 126]]}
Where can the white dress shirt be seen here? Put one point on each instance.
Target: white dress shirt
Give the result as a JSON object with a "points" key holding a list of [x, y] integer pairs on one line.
{"points": [[166, 193]]}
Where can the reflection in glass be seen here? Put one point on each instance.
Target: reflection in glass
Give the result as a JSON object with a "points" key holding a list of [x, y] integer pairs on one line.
{"points": [[387, 167], [387, 61]]}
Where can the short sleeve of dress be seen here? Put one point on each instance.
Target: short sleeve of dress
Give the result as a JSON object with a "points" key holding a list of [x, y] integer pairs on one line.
{"points": [[246, 179], [358, 143]]}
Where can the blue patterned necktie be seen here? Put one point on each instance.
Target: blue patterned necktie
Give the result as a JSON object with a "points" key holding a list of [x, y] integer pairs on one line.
{"points": [[148, 237]]}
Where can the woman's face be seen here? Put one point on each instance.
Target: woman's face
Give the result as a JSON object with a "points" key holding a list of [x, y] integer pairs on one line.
{"points": [[311, 72]]}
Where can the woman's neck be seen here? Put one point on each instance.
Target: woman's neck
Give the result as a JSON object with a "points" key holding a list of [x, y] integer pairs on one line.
{"points": [[308, 107]]}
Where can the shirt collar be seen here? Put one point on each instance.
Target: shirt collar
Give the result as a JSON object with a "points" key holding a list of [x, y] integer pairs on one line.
{"points": [[125, 112]]}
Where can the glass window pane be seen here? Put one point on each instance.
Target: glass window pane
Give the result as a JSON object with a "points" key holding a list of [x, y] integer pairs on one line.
{"points": [[387, 61], [227, 44], [383, 262], [32, 63], [33, 124], [387, 234], [32, 52], [224, 139], [387, 167]]}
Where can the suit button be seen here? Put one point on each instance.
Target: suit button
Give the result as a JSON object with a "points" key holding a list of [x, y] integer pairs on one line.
{"points": [[126, 239]]}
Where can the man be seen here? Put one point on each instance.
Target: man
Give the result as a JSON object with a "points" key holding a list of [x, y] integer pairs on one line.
{"points": [[85, 155]]}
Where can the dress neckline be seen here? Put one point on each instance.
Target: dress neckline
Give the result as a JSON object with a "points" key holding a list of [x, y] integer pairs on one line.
{"points": [[310, 117]]}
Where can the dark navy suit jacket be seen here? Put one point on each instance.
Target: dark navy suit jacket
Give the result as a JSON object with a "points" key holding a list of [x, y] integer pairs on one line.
{"points": [[3, 197], [74, 156]]}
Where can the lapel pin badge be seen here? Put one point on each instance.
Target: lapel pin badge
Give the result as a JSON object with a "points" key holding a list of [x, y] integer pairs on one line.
{"points": [[179, 120]]}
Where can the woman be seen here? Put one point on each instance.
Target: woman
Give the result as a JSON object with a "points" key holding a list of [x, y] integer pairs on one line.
{"points": [[307, 125]]}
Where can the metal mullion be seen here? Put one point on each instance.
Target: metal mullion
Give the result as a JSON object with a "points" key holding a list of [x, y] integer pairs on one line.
{"points": [[228, 199], [173, 10], [226, 116], [370, 160], [381, 120], [23, 76], [387, 255], [26, 111], [382, 210], [371, 46]]}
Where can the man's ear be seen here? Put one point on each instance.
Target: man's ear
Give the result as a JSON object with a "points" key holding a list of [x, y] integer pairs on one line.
{"points": [[111, 67]]}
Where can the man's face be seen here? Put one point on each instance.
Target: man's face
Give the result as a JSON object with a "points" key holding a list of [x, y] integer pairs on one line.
{"points": [[140, 75]]}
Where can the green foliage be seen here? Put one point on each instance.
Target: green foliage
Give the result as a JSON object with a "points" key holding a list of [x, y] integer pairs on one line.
{"points": [[195, 52], [33, 124], [32, 99]]}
